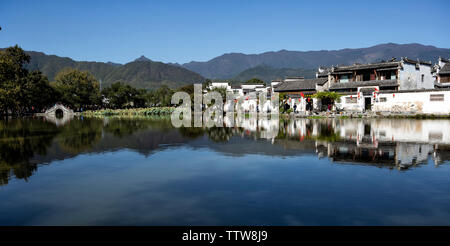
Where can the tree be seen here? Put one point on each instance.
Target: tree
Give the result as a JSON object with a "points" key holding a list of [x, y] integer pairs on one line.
{"points": [[38, 92], [160, 97], [206, 84], [222, 91], [255, 81], [333, 96], [119, 95], [20, 90], [78, 89]]}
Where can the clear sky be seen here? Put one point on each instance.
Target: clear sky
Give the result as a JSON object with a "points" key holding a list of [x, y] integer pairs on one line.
{"points": [[182, 31]]}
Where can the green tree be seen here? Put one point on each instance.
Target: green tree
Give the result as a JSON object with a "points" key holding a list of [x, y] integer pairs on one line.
{"points": [[255, 81], [38, 92], [78, 89], [335, 97], [160, 97], [222, 91], [206, 84], [120, 95], [21, 91]]}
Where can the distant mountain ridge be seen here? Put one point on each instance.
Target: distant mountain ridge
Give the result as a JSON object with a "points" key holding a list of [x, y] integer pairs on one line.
{"points": [[145, 73], [141, 73], [231, 64], [267, 73]]}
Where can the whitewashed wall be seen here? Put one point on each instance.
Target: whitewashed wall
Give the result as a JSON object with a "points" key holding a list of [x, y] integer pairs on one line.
{"points": [[410, 78], [351, 107], [404, 102], [413, 102]]}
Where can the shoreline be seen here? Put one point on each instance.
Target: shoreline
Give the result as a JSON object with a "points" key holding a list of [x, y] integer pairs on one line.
{"points": [[166, 111]]}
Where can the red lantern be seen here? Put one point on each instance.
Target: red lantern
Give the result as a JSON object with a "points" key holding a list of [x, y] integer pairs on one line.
{"points": [[393, 95]]}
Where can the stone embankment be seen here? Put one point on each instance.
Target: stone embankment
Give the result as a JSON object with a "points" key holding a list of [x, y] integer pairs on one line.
{"points": [[367, 114]]}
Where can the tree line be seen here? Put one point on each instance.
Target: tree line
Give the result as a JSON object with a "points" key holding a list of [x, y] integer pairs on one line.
{"points": [[23, 92]]}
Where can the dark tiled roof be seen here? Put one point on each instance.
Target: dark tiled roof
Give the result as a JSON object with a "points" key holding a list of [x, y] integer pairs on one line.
{"points": [[366, 66], [445, 69], [354, 85], [255, 84], [406, 59], [276, 86], [300, 85], [367, 89]]}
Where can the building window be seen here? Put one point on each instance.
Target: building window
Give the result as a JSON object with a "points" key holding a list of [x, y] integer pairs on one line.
{"points": [[423, 78], [437, 98], [350, 100], [344, 79], [393, 75], [383, 99]]}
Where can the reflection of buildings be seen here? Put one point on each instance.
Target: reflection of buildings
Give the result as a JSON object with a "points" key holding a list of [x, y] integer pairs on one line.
{"points": [[381, 142], [388, 143], [388, 154]]}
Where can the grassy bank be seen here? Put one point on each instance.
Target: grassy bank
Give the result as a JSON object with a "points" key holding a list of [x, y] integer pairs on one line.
{"points": [[130, 112]]}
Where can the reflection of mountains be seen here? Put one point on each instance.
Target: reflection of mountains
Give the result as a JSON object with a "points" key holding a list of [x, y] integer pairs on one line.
{"points": [[27, 143]]}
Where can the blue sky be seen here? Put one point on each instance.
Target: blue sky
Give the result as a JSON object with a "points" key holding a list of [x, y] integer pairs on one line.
{"points": [[181, 31]]}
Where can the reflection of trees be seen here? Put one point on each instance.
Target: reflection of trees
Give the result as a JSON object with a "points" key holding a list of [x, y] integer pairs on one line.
{"points": [[216, 134], [121, 127], [327, 132], [191, 132], [21, 140], [219, 134], [80, 135]]}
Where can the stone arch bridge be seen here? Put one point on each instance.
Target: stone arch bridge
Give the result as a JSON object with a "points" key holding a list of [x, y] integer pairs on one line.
{"points": [[59, 107]]}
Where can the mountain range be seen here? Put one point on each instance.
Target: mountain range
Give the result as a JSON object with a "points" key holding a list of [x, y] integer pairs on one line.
{"points": [[231, 64], [140, 73], [145, 73]]}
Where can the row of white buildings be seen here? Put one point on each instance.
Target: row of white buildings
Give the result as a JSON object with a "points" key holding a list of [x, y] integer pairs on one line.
{"points": [[394, 86]]}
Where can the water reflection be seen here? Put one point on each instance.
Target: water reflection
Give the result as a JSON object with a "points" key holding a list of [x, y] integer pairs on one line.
{"points": [[391, 143], [21, 140]]}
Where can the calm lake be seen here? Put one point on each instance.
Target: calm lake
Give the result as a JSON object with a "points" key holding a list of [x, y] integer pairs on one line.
{"points": [[116, 171]]}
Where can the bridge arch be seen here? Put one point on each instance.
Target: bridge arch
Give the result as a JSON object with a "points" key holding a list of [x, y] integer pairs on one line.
{"points": [[60, 108]]}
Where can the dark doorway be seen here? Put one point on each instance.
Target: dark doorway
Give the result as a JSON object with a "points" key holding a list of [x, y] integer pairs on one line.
{"points": [[367, 129], [325, 103], [309, 104], [59, 113], [368, 103]]}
